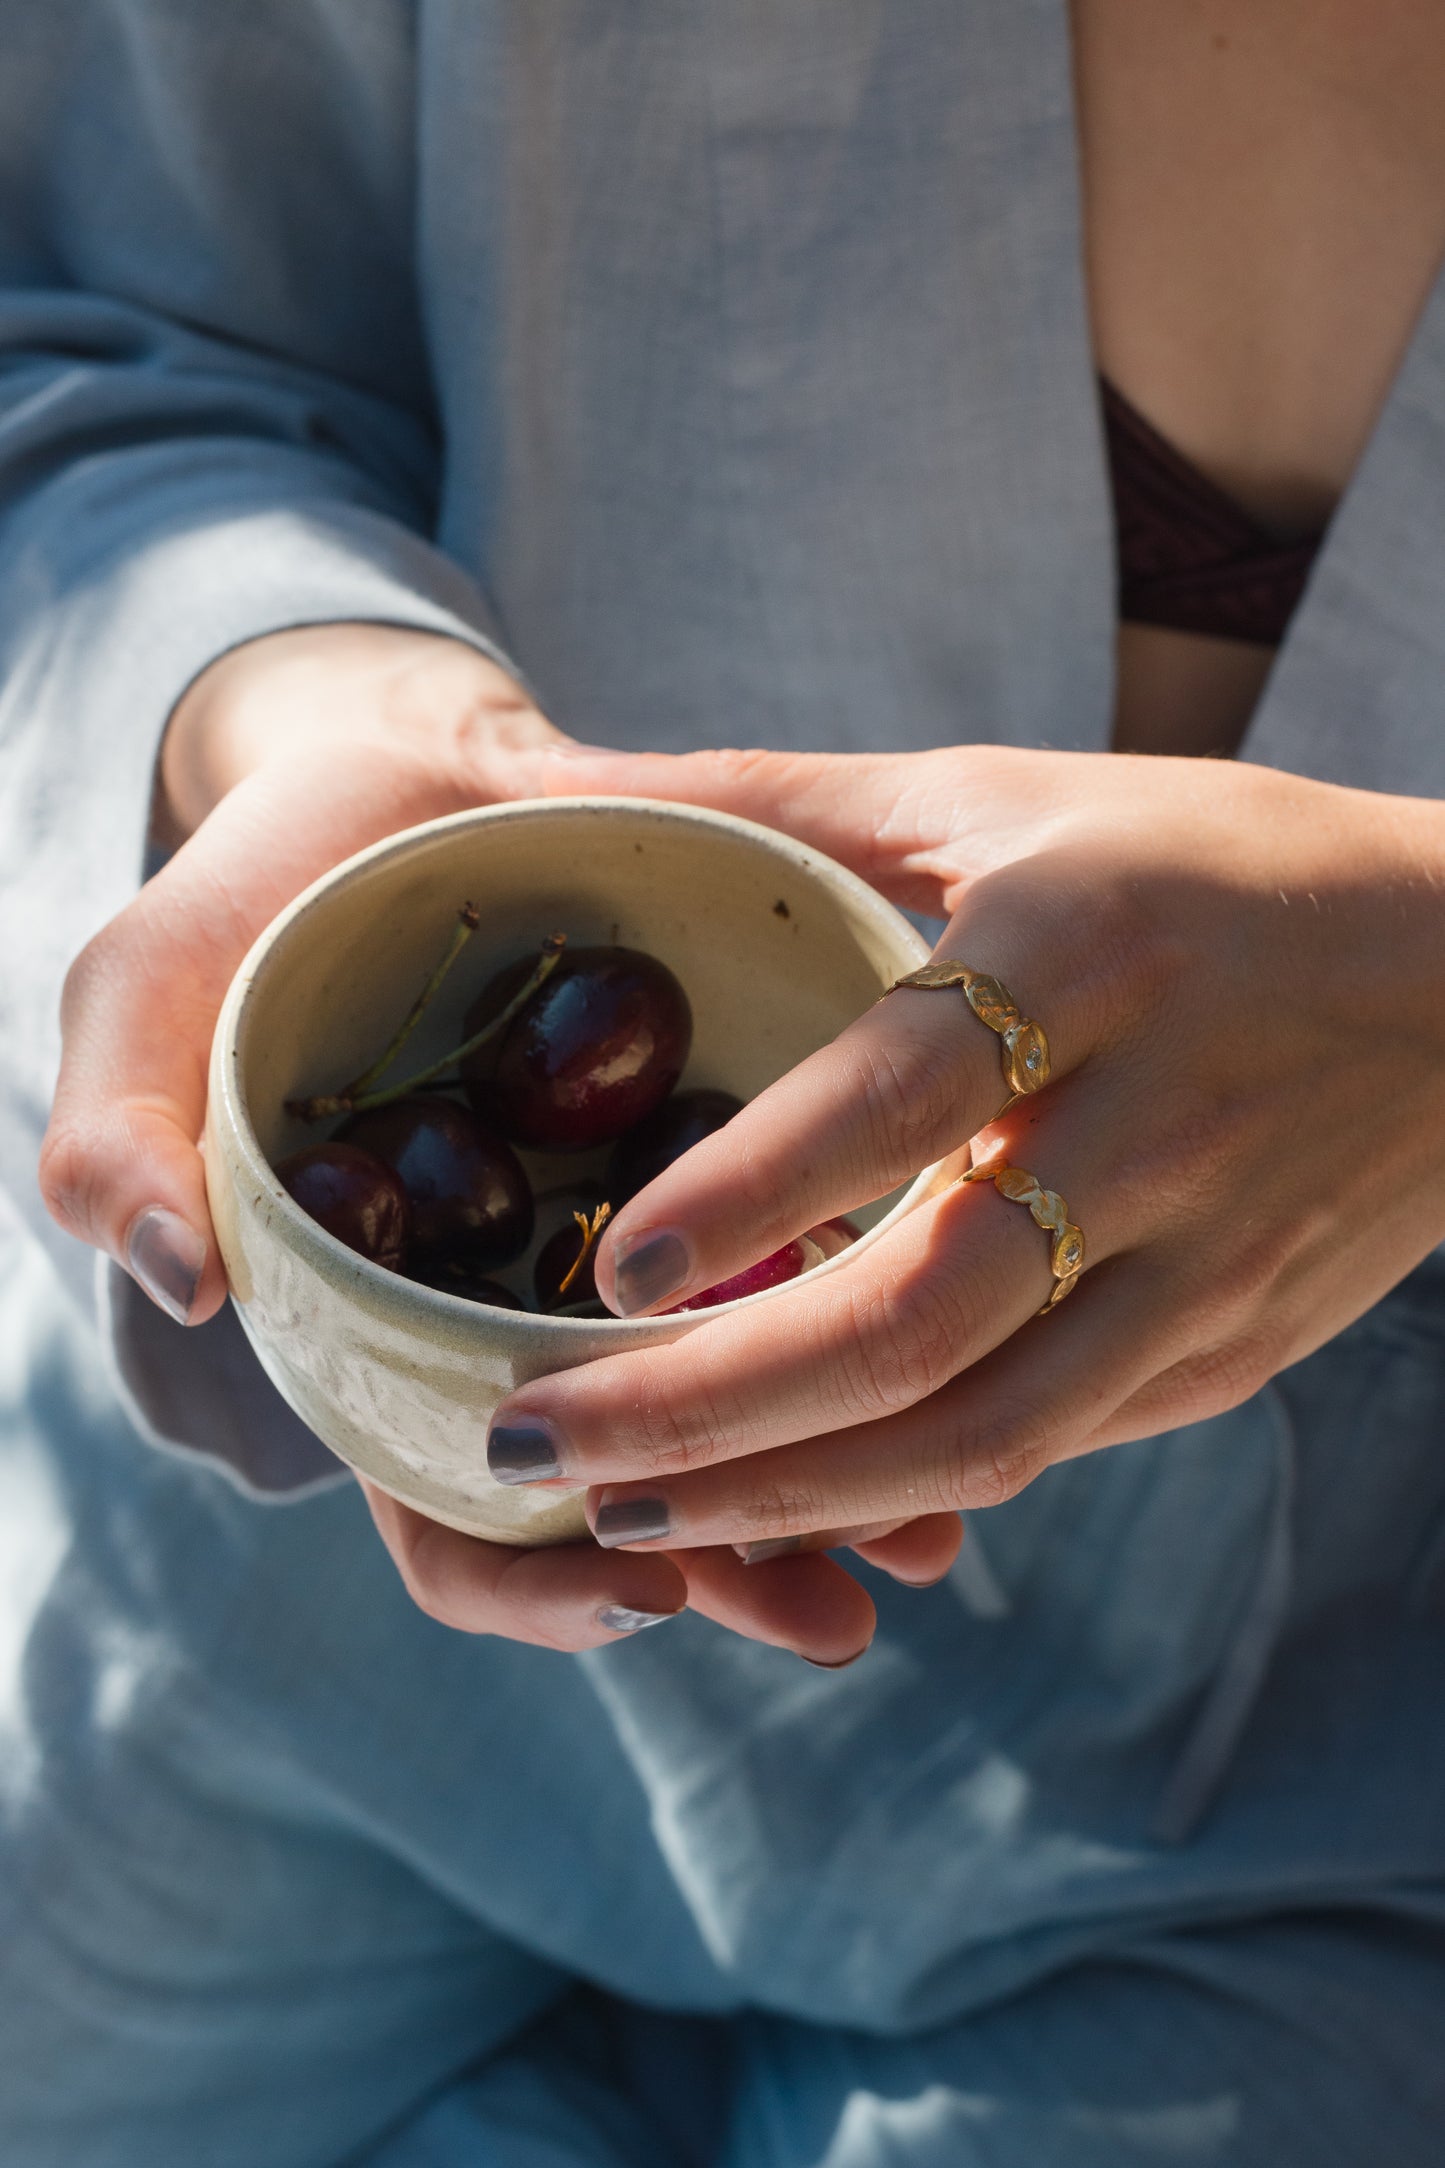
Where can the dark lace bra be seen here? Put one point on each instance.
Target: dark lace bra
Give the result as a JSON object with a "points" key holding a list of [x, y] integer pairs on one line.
{"points": [[1189, 556]]}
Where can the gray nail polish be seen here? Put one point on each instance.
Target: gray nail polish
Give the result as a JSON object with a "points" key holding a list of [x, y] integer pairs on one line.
{"points": [[523, 1452], [775, 1547], [166, 1257], [631, 1520], [843, 1661], [656, 1266], [619, 1620]]}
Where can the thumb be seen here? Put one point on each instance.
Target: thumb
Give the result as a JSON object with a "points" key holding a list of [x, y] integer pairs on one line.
{"points": [[885, 816], [121, 1165]]}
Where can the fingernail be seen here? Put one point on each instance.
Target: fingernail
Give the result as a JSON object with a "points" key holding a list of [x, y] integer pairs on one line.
{"points": [[631, 1520], [167, 1258], [753, 1554], [523, 1452], [652, 1266], [617, 1619], [843, 1661]]}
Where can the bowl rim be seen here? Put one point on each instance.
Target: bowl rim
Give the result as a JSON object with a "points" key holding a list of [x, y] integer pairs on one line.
{"points": [[343, 1268]]}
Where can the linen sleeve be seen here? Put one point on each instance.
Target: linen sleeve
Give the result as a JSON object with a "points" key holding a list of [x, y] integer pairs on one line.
{"points": [[215, 421], [161, 501], [214, 424]]}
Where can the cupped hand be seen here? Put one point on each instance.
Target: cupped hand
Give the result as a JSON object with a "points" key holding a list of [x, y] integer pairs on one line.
{"points": [[1242, 978], [284, 758]]}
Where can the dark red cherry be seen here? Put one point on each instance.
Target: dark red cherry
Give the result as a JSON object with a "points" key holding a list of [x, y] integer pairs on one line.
{"points": [[458, 1275], [466, 1186], [596, 1048], [354, 1196], [784, 1264], [663, 1136]]}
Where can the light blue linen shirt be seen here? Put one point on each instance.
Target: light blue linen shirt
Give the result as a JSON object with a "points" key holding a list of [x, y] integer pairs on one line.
{"points": [[727, 369]]}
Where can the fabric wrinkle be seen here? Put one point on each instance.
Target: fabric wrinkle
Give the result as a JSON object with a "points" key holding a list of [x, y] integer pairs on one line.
{"points": [[1202, 1764]]}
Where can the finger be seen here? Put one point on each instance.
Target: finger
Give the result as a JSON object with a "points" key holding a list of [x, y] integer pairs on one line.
{"points": [[918, 826], [960, 829], [567, 1597], [121, 1165], [905, 1085], [807, 1603], [1046, 1393], [813, 796], [572, 1597], [920, 1552], [917, 1553], [882, 1330]]}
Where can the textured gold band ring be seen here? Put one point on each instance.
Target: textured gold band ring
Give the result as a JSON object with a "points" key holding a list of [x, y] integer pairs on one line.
{"points": [[1066, 1251], [1025, 1049]]}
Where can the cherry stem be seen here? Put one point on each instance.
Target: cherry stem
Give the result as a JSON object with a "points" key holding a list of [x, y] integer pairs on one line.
{"points": [[589, 1230], [352, 1101], [468, 919]]}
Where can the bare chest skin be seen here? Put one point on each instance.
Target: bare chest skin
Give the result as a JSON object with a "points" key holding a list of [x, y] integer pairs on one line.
{"points": [[1264, 201]]}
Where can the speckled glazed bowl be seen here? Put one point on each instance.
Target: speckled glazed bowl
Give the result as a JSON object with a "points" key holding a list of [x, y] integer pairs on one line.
{"points": [[778, 949]]}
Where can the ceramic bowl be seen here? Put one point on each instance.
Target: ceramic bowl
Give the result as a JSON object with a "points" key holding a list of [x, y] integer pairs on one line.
{"points": [[778, 949]]}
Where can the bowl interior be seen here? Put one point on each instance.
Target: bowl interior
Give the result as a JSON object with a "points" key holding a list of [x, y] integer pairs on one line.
{"points": [[776, 947]]}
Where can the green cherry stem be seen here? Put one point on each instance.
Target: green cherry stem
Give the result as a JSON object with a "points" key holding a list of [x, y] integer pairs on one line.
{"points": [[468, 919], [354, 1100]]}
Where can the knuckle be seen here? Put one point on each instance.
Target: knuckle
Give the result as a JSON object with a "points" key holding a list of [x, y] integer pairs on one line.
{"points": [[1215, 1379], [500, 715], [740, 764], [781, 1509], [1123, 949], [905, 1343], [665, 1439], [1174, 1165], [912, 1102], [69, 1175], [1108, 938], [759, 1192], [994, 1462]]}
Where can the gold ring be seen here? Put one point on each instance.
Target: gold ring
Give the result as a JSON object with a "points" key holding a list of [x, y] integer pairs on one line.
{"points": [[1025, 1049], [1066, 1251]]}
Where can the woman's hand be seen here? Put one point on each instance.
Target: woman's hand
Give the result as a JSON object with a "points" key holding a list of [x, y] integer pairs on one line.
{"points": [[284, 758], [1242, 978]]}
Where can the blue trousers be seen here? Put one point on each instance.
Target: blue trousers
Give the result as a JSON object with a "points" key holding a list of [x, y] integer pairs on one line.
{"points": [[1124, 1846]]}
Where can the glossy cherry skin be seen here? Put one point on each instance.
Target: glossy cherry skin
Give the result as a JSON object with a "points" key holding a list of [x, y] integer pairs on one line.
{"points": [[354, 1196], [457, 1275], [598, 1046], [467, 1187], [659, 1138], [785, 1264]]}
